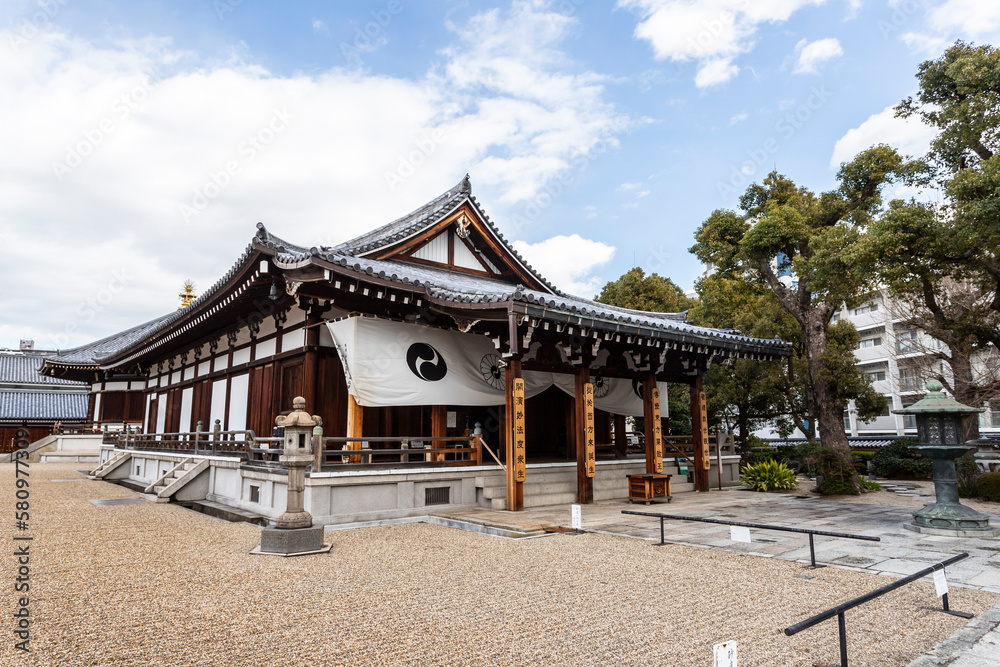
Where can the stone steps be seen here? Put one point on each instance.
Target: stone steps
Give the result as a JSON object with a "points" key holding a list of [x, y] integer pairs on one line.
{"points": [[558, 486]]}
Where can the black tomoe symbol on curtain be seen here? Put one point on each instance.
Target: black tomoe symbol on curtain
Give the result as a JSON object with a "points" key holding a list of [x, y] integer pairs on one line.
{"points": [[637, 388], [425, 362]]}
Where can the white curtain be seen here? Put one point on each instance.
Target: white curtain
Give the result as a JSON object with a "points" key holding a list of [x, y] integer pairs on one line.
{"points": [[390, 363]]}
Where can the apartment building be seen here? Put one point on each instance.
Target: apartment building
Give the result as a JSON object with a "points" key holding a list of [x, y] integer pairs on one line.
{"points": [[899, 359]]}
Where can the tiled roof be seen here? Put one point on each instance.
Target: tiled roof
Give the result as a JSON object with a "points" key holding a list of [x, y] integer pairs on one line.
{"points": [[92, 353], [23, 369], [467, 288], [425, 216], [437, 283], [409, 224], [113, 346], [18, 404], [854, 441]]}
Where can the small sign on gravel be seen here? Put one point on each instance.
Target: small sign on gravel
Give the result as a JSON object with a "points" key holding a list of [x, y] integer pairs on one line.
{"points": [[725, 654]]}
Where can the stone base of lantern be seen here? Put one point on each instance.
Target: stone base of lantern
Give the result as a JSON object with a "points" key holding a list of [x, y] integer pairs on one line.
{"points": [[988, 533], [951, 520], [291, 542]]}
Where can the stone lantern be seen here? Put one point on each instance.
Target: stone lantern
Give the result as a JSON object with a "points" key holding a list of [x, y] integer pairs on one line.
{"points": [[941, 438], [293, 532]]}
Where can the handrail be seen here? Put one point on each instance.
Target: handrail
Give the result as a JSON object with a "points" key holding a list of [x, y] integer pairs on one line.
{"points": [[840, 609], [808, 531]]}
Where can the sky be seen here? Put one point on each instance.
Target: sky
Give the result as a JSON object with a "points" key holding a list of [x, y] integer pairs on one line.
{"points": [[142, 141]]}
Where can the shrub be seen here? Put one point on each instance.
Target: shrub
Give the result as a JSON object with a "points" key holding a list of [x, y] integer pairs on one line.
{"points": [[861, 460], [870, 485], [804, 458], [897, 460], [988, 486], [769, 476], [836, 468]]}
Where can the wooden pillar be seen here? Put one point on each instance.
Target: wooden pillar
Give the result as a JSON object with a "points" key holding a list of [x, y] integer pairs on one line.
{"points": [[621, 440], [439, 428], [515, 487], [355, 424], [310, 367], [585, 434], [699, 436], [654, 427]]}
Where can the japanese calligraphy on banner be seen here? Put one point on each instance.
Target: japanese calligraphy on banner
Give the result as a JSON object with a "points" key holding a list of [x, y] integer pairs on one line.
{"points": [[657, 432], [588, 412], [518, 426], [706, 461]]}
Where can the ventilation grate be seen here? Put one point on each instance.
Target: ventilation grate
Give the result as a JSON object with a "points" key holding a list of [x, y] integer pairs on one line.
{"points": [[437, 495]]}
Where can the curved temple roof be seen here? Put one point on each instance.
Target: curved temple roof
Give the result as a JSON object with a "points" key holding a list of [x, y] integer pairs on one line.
{"points": [[439, 285]]}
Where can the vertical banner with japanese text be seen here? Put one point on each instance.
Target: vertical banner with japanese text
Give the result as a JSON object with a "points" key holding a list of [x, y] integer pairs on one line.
{"points": [[657, 432], [518, 427], [588, 411], [706, 461]]}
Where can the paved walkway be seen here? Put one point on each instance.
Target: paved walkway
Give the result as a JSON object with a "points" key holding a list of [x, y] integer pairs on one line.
{"points": [[899, 553]]}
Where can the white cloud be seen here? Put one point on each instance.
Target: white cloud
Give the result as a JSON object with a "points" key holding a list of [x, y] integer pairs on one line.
{"points": [[812, 54], [714, 72], [738, 118], [319, 26], [710, 32], [627, 187], [588, 211], [569, 262], [971, 20], [318, 158], [909, 137]]}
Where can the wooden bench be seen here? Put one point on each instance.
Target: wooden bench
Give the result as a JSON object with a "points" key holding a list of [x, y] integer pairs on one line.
{"points": [[647, 488]]}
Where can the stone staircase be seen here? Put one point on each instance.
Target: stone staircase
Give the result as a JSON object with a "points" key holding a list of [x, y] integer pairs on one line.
{"points": [[177, 478], [556, 485], [111, 464]]}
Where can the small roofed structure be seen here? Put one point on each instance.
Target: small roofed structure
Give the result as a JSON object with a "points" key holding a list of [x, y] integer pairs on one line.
{"points": [[414, 334]]}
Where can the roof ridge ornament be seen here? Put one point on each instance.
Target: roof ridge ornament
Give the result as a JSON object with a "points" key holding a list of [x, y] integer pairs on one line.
{"points": [[466, 185]]}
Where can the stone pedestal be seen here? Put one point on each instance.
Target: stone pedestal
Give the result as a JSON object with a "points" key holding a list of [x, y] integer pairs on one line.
{"points": [[948, 516], [291, 541]]}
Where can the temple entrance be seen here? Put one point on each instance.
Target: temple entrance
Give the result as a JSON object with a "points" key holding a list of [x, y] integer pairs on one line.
{"points": [[548, 427]]}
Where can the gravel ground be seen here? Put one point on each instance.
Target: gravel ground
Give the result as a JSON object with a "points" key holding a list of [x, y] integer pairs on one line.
{"points": [[890, 498], [155, 584]]}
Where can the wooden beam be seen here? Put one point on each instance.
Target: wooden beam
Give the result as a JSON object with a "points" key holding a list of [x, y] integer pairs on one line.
{"points": [[439, 428], [355, 424], [515, 488], [584, 481], [699, 435], [654, 427]]}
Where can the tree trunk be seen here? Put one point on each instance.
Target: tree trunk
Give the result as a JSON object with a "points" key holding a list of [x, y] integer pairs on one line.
{"points": [[828, 405], [966, 390]]}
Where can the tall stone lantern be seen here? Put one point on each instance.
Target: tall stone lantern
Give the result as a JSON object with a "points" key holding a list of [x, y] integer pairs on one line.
{"points": [[941, 438], [293, 533]]}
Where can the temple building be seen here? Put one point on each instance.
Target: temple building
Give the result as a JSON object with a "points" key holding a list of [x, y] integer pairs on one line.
{"points": [[406, 337], [32, 406]]}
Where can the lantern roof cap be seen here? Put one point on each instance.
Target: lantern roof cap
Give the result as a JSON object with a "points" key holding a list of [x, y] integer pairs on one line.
{"points": [[298, 416], [936, 402]]}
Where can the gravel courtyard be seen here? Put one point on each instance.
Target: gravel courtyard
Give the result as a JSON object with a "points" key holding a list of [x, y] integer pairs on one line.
{"points": [[156, 584]]}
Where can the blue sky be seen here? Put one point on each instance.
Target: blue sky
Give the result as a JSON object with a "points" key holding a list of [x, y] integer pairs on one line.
{"points": [[144, 140]]}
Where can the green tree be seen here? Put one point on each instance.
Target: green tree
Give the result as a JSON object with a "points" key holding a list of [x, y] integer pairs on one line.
{"points": [[637, 291], [743, 393], [941, 259], [788, 229]]}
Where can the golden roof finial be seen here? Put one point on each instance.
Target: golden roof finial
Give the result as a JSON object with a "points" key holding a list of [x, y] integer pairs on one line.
{"points": [[188, 295]]}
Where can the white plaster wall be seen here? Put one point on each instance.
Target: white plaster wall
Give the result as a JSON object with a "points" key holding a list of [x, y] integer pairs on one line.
{"points": [[161, 414], [241, 356], [218, 403], [204, 367], [264, 349], [222, 362], [238, 397], [116, 386], [186, 396], [293, 340], [295, 316]]}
